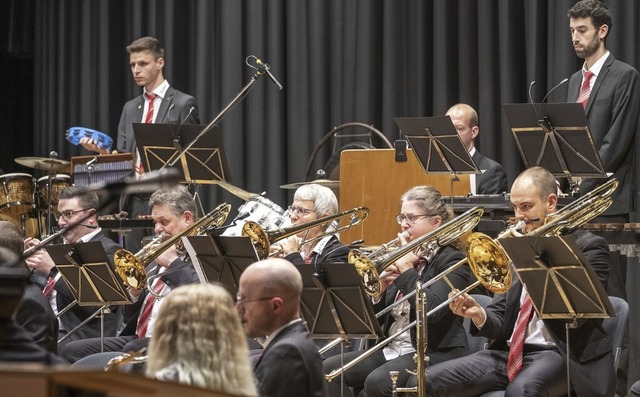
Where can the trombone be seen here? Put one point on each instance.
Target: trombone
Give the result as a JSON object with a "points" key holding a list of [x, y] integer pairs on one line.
{"points": [[132, 267], [262, 239]]}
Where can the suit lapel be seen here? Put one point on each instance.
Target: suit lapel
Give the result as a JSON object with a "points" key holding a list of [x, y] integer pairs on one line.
{"points": [[165, 105], [601, 77]]}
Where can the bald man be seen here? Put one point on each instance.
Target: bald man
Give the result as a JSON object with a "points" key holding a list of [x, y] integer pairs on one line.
{"points": [[493, 179], [268, 302]]}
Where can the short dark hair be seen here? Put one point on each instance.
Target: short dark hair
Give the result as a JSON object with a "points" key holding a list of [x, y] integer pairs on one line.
{"points": [[543, 180], [11, 237], [87, 198], [147, 43], [594, 9]]}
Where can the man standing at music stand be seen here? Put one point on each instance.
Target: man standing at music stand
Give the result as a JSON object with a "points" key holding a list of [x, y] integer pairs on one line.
{"points": [[610, 93], [159, 103], [493, 179], [538, 365]]}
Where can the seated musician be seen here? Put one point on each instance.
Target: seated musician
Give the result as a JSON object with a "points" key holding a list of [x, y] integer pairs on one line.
{"points": [[311, 202], [34, 313], [423, 210], [198, 340], [173, 211], [536, 365], [77, 207]]}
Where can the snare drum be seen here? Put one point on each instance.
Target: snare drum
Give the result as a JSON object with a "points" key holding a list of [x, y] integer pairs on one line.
{"points": [[16, 194], [58, 184], [261, 210]]}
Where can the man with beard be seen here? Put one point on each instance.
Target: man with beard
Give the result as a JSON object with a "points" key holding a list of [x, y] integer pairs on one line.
{"points": [[610, 93]]}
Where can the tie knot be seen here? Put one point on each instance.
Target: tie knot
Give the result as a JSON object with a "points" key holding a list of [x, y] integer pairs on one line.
{"points": [[588, 75], [150, 97], [419, 263]]}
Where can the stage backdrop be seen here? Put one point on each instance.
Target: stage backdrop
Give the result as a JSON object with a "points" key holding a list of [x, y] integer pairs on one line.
{"points": [[339, 61]]}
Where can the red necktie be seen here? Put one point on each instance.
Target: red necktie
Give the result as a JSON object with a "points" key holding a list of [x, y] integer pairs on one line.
{"points": [[514, 360], [150, 98], [309, 258], [147, 308], [585, 90], [48, 289]]}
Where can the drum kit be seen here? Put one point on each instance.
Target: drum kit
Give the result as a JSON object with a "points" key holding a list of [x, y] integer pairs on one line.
{"points": [[27, 202]]}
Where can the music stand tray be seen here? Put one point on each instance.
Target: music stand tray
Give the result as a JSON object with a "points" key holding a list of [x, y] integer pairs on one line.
{"points": [[88, 273], [437, 145], [334, 303], [559, 279], [221, 259], [204, 163], [555, 136]]}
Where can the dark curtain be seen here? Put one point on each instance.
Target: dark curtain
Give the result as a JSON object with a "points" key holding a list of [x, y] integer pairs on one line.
{"points": [[339, 60]]}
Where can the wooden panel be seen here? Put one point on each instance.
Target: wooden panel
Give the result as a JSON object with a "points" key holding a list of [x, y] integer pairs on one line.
{"points": [[372, 178]]}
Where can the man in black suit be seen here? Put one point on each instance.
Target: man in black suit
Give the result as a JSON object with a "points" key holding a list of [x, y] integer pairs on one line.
{"points": [[268, 302], [493, 179], [612, 104], [423, 210], [159, 103], [543, 370], [34, 313], [173, 212], [77, 211]]}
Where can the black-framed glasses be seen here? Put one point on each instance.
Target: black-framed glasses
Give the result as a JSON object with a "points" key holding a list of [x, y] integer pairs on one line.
{"points": [[240, 300], [299, 210], [410, 218], [67, 215]]}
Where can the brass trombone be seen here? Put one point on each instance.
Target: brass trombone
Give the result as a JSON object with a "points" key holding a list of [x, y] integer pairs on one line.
{"points": [[132, 267], [262, 239]]}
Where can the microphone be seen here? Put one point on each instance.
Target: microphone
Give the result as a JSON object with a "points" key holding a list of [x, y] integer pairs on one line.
{"points": [[554, 88], [533, 82], [264, 68], [177, 140]]}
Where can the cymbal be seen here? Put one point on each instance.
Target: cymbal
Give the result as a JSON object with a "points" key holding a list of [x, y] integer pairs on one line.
{"points": [[324, 182], [44, 163]]}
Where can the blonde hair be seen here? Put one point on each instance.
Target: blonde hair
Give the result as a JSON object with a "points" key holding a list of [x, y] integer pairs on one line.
{"points": [[198, 340]]}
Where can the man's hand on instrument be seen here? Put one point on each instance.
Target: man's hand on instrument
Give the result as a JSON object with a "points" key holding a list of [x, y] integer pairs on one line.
{"points": [[40, 261], [92, 146], [465, 306]]}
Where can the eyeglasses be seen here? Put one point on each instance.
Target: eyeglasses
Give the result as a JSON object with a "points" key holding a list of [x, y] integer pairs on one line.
{"points": [[410, 218], [301, 211], [67, 215], [241, 301]]}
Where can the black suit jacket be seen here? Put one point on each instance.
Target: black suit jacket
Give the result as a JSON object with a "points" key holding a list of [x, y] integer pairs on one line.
{"points": [[493, 179], [183, 274], [591, 352], [17, 345], [445, 328], [612, 110], [77, 314], [174, 109], [290, 365], [35, 315]]}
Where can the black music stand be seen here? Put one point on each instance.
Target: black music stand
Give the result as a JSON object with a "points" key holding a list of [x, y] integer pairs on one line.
{"points": [[221, 259], [160, 143], [555, 136], [437, 146], [91, 279], [559, 279], [334, 303]]}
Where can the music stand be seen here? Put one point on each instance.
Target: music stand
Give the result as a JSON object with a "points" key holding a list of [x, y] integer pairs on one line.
{"points": [[334, 303], [555, 136], [437, 146], [559, 279], [220, 259], [205, 163], [91, 279]]}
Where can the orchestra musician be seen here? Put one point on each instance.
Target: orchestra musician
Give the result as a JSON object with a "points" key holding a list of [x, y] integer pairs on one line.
{"points": [[311, 202], [158, 103], [538, 367], [77, 206], [173, 211], [198, 340], [423, 210]]}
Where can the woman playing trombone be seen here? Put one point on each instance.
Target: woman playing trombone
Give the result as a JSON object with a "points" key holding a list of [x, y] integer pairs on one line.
{"points": [[311, 202], [423, 210]]}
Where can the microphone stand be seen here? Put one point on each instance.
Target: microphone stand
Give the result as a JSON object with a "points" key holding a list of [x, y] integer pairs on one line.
{"points": [[239, 96]]}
